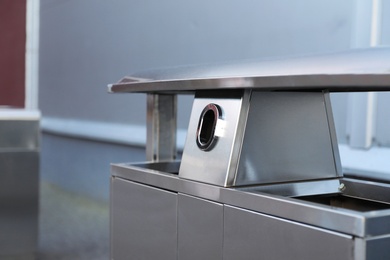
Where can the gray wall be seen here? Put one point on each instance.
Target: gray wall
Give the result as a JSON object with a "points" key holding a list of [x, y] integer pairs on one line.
{"points": [[87, 44], [382, 137], [386, 23], [84, 45]]}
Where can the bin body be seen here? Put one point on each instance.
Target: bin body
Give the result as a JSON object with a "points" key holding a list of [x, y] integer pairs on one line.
{"points": [[19, 185]]}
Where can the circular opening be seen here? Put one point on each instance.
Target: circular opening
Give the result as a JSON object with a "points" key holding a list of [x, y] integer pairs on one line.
{"points": [[206, 127]]}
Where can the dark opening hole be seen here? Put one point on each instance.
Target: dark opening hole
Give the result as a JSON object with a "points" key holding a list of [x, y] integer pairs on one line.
{"points": [[206, 131], [346, 202]]}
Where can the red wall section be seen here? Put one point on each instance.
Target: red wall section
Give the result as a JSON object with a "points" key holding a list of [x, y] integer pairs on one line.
{"points": [[12, 52]]}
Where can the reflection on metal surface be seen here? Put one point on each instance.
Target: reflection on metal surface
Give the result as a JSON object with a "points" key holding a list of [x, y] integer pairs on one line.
{"points": [[287, 138], [161, 129], [294, 189]]}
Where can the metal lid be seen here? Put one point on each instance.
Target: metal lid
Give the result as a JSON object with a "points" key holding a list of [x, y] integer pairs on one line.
{"points": [[355, 70], [19, 114]]}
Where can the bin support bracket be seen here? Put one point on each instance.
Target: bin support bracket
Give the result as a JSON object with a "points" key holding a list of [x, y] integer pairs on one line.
{"points": [[161, 127]]}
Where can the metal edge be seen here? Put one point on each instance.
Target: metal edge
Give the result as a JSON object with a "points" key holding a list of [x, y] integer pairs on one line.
{"points": [[297, 189], [235, 155], [142, 175], [367, 189], [19, 114], [330, 82], [161, 127], [333, 135], [109, 88], [377, 223], [111, 209], [340, 220]]}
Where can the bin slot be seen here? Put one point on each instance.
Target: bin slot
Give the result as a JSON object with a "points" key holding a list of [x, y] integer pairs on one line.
{"points": [[346, 202]]}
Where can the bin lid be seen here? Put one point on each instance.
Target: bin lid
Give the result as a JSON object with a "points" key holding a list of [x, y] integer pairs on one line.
{"points": [[354, 70], [18, 114]]}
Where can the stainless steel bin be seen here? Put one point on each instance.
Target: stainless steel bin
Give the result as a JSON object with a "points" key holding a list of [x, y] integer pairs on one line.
{"points": [[260, 176], [213, 222], [19, 182]]}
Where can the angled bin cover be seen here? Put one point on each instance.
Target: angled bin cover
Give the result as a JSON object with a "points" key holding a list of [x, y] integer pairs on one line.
{"points": [[354, 70]]}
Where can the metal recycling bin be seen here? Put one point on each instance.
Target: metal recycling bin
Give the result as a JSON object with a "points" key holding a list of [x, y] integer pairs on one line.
{"points": [[260, 175], [19, 183]]}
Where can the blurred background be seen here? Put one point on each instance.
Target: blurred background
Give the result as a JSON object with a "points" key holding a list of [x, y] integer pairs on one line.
{"points": [[57, 57]]}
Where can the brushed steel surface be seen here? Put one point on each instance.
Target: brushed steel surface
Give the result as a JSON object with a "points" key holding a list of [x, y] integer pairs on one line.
{"points": [[143, 222], [287, 138], [251, 235], [18, 114], [19, 174], [377, 248], [256, 225], [19, 178], [375, 176], [372, 248], [333, 135], [372, 190], [218, 165], [294, 189], [354, 70], [314, 214], [279, 138], [19, 134], [318, 215], [200, 228], [161, 127], [264, 137]]}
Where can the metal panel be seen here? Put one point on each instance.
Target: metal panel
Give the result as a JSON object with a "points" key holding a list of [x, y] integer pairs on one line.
{"points": [[294, 189], [277, 137], [250, 235], [325, 216], [143, 222], [200, 227], [287, 138], [19, 134], [19, 172], [377, 248], [370, 190], [373, 248], [201, 165], [161, 127]]}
